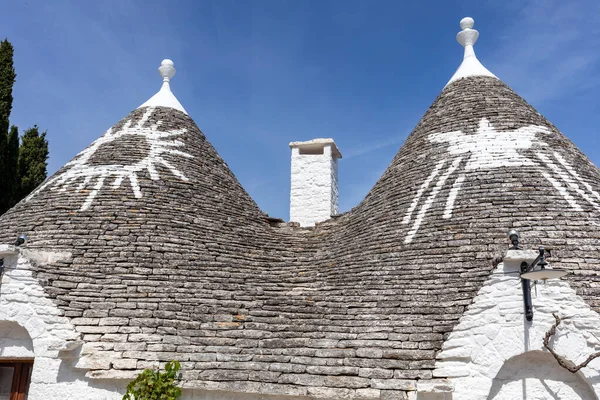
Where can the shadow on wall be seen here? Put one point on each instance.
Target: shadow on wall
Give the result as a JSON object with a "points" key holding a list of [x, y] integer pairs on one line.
{"points": [[15, 342], [102, 388], [537, 375], [219, 395]]}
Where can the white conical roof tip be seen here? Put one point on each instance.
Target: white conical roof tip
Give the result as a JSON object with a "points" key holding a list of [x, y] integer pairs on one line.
{"points": [[470, 65], [165, 97]]}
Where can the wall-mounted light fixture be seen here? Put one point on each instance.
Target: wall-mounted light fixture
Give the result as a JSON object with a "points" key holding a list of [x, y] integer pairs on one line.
{"points": [[20, 239], [513, 235], [532, 272]]}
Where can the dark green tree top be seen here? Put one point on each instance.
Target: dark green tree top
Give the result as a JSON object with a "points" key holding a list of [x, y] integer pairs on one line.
{"points": [[7, 80], [8, 152], [9, 173], [22, 168], [11, 167], [33, 157]]}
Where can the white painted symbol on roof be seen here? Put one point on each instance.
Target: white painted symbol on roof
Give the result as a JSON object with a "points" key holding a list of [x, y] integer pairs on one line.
{"points": [[159, 142], [489, 149]]}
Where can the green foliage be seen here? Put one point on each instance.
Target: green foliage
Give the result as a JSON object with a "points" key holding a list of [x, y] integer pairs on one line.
{"points": [[11, 166], [7, 80], [22, 167], [33, 156], [9, 179], [155, 385], [4, 200], [8, 152]]}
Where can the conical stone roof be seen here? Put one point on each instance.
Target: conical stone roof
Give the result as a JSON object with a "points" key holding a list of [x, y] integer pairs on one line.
{"points": [[169, 247], [153, 171], [480, 162], [149, 171]]}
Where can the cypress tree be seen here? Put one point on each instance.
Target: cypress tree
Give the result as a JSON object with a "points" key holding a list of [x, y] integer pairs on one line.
{"points": [[7, 80], [23, 167], [4, 187], [12, 166], [33, 157], [7, 139]]}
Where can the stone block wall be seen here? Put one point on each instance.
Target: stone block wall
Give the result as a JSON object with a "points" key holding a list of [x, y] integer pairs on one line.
{"points": [[38, 329], [495, 353], [34, 327]]}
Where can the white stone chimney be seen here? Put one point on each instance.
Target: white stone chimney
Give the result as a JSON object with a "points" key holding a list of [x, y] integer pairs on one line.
{"points": [[314, 192]]}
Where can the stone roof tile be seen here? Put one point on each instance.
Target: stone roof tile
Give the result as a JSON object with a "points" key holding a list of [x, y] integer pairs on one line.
{"points": [[171, 258]]}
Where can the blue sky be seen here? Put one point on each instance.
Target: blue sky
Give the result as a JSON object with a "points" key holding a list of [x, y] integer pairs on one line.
{"points": [[256, 75]]}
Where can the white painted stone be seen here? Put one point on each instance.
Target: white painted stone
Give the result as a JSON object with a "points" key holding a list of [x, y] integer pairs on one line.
{"points": [[487, 149], [574, 173], [86, 176], [425, 207], [164, 97], [434, 386], [452, 196], [314, 181], [494, 353], [535, 375], [470, 65], [8, 250], [424, 186], [568, 175], [31, 326], [14, 341]]}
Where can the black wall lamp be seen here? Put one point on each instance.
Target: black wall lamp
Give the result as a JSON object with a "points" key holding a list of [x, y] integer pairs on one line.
{"points": [[532, 272], [22, 238]]}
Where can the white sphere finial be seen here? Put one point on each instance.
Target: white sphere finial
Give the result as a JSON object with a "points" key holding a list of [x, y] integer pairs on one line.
{"points": [[164, 97], [468, 36], [466, 23], [166, 70]]}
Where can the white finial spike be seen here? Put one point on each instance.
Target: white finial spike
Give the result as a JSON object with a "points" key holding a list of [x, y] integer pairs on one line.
{"points": [[164, 97], [470, 65]]}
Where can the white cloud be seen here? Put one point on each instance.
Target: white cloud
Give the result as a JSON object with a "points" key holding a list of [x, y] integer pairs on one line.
{"points": [[550, 49], [368, 148]]}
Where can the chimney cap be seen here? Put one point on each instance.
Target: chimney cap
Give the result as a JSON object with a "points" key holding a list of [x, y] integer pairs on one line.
{"points": [[318, 142]]}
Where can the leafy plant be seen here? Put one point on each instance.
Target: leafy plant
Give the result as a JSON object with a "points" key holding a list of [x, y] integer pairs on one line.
{"points": [[155, 385]]}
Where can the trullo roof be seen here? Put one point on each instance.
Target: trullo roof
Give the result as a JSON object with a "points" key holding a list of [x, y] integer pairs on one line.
{"points": [[170, 253]]}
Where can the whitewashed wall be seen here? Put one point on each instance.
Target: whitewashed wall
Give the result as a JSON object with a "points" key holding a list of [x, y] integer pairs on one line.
{"points": [[14, 341], [492, 354], [314, 186], [35, 323], [334, 186], [31, 326], [495, 354]]}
